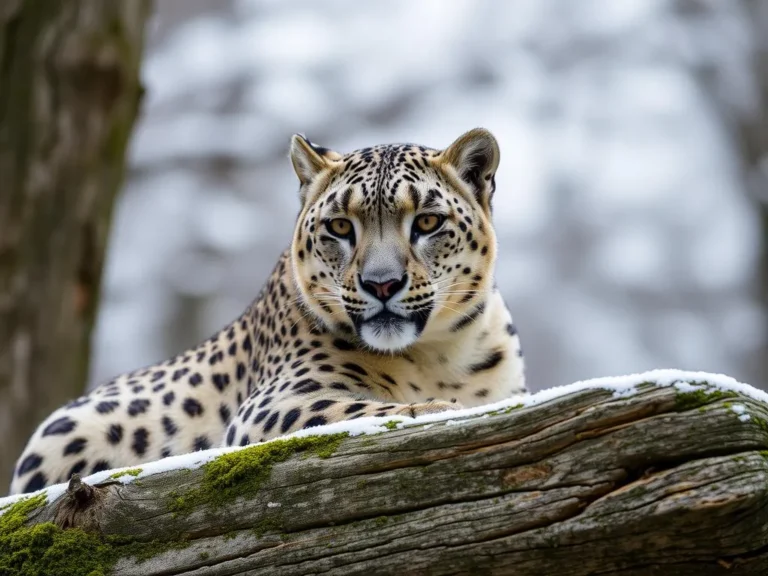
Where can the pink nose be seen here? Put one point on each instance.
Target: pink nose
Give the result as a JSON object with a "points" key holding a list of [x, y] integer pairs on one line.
{"points": [[383, 290]]}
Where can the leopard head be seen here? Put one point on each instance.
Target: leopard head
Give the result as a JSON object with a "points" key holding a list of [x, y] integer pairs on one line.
{"points": [[394, 243]]}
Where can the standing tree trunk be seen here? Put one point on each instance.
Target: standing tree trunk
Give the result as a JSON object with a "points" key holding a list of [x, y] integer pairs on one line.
{"points": [[69, 94], [752, 138]]}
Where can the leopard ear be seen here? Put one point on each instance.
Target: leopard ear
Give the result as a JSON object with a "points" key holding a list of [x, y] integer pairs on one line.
{"points": [[475, 157], [310, 159]]}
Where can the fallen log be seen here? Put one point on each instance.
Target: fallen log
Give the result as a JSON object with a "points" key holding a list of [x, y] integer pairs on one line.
{"points": [[653, 475]]}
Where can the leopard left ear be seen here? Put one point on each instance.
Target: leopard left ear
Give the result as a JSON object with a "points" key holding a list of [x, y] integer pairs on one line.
{"points": [[475, 157], [309, 159]]}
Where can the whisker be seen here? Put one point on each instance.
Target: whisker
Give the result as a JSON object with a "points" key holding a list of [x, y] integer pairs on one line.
{"points": [[464, 314], [330, 299], [331, 302], [439, 288], [443, 281]]}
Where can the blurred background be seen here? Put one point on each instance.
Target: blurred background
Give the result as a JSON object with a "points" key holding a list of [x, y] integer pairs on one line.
{"points": [[629, 204]]}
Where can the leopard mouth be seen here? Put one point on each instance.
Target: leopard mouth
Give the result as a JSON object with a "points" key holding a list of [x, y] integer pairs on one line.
{"points": [[386, 319], [389, 331]]}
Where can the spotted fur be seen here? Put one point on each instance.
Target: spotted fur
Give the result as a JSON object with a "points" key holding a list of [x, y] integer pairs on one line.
{"points": [[384, 319]]}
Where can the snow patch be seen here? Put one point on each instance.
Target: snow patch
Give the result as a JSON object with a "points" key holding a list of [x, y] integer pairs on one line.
{"points": [[741, 410]]}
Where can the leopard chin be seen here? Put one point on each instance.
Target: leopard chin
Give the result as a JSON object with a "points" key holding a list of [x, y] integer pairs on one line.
{"points": [[389, 332]]}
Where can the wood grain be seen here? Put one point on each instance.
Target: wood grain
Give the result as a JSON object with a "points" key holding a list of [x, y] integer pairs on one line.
{"points": [[585, 484]]}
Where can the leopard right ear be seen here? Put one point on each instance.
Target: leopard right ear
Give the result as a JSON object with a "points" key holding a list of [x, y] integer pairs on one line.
{"points": [[475, 157], [310, 159]]}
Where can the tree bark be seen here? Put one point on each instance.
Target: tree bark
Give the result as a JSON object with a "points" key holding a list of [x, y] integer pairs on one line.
{"points": [[660, 482], [749, 128], [69, 93]]}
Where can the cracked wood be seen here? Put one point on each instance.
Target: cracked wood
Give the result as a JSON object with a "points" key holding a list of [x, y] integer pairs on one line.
{"points": [[584, 484]]}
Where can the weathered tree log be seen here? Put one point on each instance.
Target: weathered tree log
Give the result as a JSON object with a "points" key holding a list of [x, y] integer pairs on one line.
{"points": [[69, 91], [659, 482]]}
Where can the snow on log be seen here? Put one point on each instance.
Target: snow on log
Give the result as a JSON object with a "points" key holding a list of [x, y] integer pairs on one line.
{"points": [[657, 473]]}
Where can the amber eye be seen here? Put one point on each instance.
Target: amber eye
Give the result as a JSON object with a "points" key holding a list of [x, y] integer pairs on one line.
{"points": [[340, 227], [427, 223]]}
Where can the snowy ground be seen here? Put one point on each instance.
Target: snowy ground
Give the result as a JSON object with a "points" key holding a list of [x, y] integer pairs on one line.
{"points": [[621, 386], [627, 240]]}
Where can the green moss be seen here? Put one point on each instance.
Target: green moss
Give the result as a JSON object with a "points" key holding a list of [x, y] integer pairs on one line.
{"points": [[697, 398], [381, 521], [125, 547], [242, 472], [131, 472], [204, 555], [761, 423], [391, 424], [17, 513], [45, 549], [267, 524]]}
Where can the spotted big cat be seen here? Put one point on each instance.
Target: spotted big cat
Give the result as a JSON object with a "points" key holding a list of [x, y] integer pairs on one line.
{"points": [[384, 304]]}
